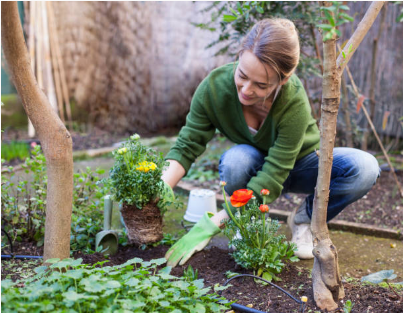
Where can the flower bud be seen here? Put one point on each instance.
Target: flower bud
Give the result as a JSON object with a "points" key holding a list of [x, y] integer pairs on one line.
{"points": [[304, 299], [135, 137], [223, 183], [264, 192], [264, 208]]}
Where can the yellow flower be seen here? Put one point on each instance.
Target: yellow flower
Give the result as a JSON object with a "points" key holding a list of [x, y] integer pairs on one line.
{"points": [[146, 166], [304, 299]]}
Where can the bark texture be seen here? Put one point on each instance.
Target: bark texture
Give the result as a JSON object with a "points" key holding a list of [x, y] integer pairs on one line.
{"points": [[55, 139], [327, 285]]}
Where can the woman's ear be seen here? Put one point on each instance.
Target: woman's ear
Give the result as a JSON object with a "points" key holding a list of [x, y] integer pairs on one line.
{"points": [[285, 80]]}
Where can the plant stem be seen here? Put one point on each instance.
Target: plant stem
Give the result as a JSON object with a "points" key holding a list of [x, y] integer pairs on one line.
{"points": [[229, 211], [391, 288], [264, 228]]}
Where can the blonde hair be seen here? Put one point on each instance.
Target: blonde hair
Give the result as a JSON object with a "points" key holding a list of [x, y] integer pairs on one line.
{"points": [[274, 42]]}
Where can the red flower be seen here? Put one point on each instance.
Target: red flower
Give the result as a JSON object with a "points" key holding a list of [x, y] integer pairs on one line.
{"points": [[241, 197], [264, 208], [265, 192]]}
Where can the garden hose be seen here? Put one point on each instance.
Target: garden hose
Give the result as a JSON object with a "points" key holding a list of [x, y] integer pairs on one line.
{"points": [[246, 309], [11, 255]]}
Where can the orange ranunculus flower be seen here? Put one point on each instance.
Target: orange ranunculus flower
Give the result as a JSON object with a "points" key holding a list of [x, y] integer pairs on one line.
{"points": [[241, 197], [264, 208]]}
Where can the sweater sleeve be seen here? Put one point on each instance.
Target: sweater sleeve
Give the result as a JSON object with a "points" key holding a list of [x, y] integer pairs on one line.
{"points": [[283, 154], [196, 133]]}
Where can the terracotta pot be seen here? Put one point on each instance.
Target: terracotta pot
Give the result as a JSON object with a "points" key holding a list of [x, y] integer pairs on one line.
{"points": [[143, 226]]}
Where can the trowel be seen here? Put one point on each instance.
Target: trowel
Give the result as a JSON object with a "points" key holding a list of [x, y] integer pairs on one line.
{"points": [[107, 238]]}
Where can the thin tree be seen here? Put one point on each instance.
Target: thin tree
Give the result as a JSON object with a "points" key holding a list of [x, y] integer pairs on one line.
{"points": [[327, 285], [56, 141]]}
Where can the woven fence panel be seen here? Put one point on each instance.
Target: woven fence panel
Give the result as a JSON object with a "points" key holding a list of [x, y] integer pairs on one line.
{"points": [[133, 66]]}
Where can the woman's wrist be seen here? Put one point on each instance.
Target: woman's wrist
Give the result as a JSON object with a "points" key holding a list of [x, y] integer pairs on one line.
{"points": [[219, 218]]}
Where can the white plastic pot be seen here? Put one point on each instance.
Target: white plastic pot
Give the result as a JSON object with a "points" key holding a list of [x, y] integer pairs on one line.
{"points": [[200, 201]]}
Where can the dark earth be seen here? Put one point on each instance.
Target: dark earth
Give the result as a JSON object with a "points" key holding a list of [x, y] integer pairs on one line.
{"points": [[213, 263]]}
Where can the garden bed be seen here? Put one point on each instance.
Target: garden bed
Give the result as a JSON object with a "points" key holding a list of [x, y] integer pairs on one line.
{"points": [[212, 265]]}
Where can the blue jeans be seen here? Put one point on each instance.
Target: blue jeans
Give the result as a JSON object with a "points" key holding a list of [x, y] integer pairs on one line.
{"points": [[354, 172]]}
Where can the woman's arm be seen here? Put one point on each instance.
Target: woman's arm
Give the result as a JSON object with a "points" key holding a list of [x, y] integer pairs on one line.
{"points": [[174, 173]]}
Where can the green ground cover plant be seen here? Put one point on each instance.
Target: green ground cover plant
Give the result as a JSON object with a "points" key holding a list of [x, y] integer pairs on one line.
{"points": [[14, 150], [254, 237], [23, 204], [135, 286]]}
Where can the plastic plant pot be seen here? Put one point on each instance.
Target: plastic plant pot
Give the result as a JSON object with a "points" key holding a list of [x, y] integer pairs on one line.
{"points": [[107, 238], [200, 201]]}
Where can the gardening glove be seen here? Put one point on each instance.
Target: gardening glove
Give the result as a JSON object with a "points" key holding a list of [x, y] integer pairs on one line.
{"points": [[167, 194], [195, 240]]}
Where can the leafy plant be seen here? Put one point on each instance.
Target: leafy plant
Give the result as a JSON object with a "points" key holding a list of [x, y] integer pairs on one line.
{"points": [[135, 286], [135, 178], [14, 150], [381, 276], [336, 17], [23, 205], [348, 306], [190, 274], [257, 245], [169, 239]]}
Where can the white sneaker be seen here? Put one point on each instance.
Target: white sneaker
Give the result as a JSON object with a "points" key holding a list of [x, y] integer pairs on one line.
{"points": [[302, 237]]}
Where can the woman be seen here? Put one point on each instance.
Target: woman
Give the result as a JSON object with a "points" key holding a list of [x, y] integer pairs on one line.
{"points": [[261, 105]]}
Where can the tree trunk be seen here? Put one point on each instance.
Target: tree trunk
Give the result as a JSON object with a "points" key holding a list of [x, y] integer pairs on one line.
{"points": [[55, 139], [327, 286]]}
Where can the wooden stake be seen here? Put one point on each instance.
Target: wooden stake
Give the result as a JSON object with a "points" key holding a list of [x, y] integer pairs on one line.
{"points": [[55, 65], [61, 67], [50, 87]]}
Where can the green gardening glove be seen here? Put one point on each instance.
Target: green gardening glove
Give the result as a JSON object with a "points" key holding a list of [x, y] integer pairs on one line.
{"points": [[195, 240]]}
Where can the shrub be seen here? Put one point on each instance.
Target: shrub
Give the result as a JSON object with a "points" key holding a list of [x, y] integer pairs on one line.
{"points": [[23, 205]]}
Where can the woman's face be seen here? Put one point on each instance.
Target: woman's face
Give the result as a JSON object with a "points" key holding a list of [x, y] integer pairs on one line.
{"points": [[254, 81]]}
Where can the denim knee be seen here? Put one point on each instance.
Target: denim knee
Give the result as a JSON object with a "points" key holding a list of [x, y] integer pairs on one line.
{"points": [[361, 170], [369, 171], [238, 165]]}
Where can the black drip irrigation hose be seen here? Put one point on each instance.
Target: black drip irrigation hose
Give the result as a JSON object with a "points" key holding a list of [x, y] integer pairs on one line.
{"points": [[242, 308], [12, 255]]}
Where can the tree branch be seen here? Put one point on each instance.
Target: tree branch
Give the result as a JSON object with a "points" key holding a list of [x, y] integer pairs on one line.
{"points": [[359, 34]]}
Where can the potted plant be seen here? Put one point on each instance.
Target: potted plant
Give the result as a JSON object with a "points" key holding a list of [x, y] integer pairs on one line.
{"points": [[135, 182]]}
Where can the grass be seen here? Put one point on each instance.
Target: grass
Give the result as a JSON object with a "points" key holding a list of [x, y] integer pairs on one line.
{"points": [[14, 150]]}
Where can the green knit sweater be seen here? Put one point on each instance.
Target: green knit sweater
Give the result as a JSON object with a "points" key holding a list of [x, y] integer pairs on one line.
{"points": [[288, 133]]}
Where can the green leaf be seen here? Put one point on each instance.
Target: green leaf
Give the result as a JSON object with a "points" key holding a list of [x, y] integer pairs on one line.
{"points": [[344, 7], [229, 18], [267, 276], [379, 277], [400, 17], [325, 26], [235, 12], [350, 48], [331, 8]]}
